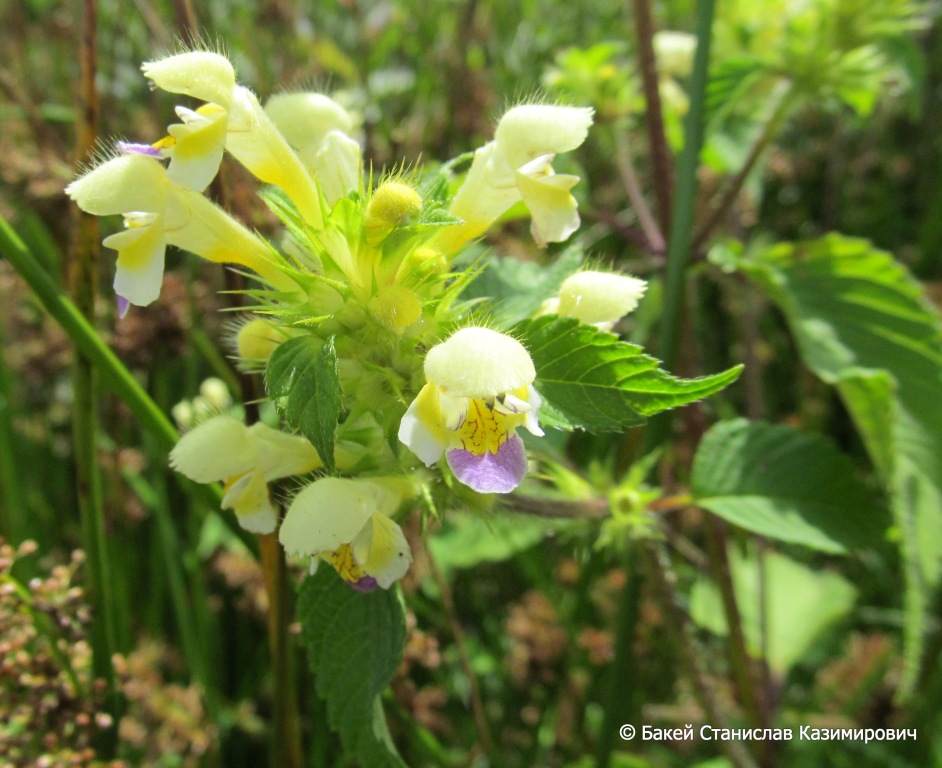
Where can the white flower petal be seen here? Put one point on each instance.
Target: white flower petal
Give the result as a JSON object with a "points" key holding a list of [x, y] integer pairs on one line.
{"points": [[330, 512], [248, 498], [215, 450], [282, 455], [533, 415], [204, 75], [199, 144], [132, 182], [140, 269], [382, 551], [425, 440]]}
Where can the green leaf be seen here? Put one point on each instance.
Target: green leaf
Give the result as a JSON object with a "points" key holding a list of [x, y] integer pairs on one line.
{"points": [[800, 605], [727, 82], [518, 288], [467, 540], [355, 642], [303, 380], [784, 484], [592, 380], [863, 325]]}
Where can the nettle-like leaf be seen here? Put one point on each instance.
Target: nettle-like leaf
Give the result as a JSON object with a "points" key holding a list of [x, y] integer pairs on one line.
{"points": [[785, 484], [303, 380], [592, 380], [518, 288], [354, 642], [863, 325], [789, 604]]}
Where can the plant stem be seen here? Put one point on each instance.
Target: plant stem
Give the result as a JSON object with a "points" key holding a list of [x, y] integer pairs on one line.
{"points": [[629, 177], [654, 118], [286, 731], [769, 131], [112, 371], [665, 582], [743, 669], [681, 221], [477, 704], [621, 704], [83, 284]]}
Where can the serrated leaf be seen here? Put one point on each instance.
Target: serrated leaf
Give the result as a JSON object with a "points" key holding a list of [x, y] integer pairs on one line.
{"points": [[355, 642], [863, 325], [303, 380], [597, 382], [518, 288], [785, 484]]}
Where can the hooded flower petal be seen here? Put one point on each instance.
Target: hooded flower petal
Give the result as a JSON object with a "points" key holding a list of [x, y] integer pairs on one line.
{"points": [[217, 449], [599, 298], [203, 75], [479, 362], [133, 182], [517, 166], [246, 458], [479, 392], [346, 522], [159, 211]]}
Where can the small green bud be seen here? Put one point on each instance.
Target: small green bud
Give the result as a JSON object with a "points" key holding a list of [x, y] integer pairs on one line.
{"points": [[395, 307], [257, 340], [393, 201]]}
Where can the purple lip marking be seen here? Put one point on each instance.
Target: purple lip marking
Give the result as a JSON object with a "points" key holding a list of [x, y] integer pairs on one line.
{"points": [[366, 584], [488, 472], [130, 148], [123, 306]]}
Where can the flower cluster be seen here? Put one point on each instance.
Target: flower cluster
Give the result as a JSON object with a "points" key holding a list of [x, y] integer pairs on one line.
{"points": [[364, 278]]}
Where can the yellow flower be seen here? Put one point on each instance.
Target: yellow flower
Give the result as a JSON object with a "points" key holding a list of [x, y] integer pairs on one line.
{"points": [[479, 391], [347, 523], [157, 212], [597, 298], [318, 128], [517, 165], [232, 119], [245, 459]]}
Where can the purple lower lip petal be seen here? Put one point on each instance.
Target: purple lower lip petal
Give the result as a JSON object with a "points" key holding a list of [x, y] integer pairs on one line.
{"points": [[123, 306], [366, 584], [130, 148], [499, 472]]}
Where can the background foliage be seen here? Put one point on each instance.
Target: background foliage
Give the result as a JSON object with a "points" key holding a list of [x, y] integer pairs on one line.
{"points": [[776, 571]]}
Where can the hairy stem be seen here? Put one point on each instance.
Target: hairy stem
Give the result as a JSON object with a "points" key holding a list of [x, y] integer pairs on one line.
{"points": [[654, 117]]}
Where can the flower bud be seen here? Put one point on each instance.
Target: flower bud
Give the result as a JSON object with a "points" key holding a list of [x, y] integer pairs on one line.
{"points": [[215, 392], [674, 52], [479, 363], [395, 307], [599, 298], [257, 339], [393, 201]]}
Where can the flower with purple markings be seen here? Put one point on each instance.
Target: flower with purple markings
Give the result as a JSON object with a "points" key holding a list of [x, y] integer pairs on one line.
{"points": [[479, 390]]}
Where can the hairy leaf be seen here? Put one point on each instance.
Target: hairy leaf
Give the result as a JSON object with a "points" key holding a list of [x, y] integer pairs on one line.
{"points": [[303, 380], [518, 288], [354, 642], [593, 380], [863, 325], [785, 484]]}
